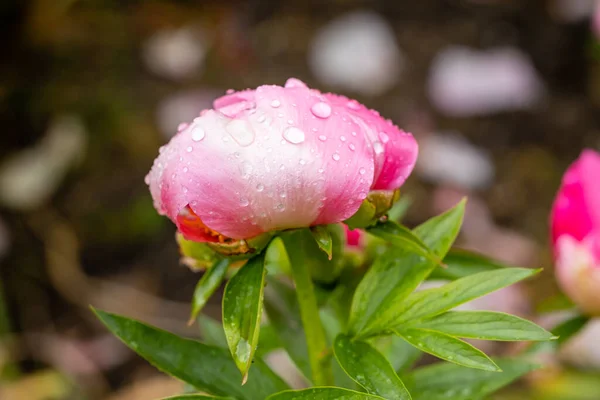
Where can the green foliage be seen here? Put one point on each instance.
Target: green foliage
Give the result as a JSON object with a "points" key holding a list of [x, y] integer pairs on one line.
{"points": [[207, 285], [207, 368], [323, 393], [323, 238], [448, 348], [369, 368], [398, 272], [449, 381], [345, 325], [242, 310]]}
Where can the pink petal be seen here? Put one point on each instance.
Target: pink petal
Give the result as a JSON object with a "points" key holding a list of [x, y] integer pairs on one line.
{"points": [[395, 151], [265, 161], [576, 209]]}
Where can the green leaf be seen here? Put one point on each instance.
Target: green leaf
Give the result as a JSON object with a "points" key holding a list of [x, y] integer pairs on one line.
{"points": [[402, 237], [323, 393], [401, 354], [369, 368], [399, 208], [563, 331], [276, 258], [196, 397], [211, 332], [439, 232], [431, 302], [461, 263], [486, 325], [323, 238], [207, 285], [242, 309], [448, 348], [207, 368], [570, 328], [443, 381], [557, 302], [282, 308], [397, 273]]}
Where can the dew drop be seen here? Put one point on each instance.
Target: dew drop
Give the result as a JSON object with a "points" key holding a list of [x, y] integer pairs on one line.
{"points": [[343, 138], [293, 135], [275, 103], [322, 138], [335, 156], [290, 121], [189, 149], [351, 146], [185, 169], [244, 202], [261, 118], [302, 161], [384, 137], [353, 105], [353, 133], [362, 171], [378, 147], [282, 195], [294, 83], [197, 133], [321, 110], [241, 132], [182, 126], [280, 207], [260, 187]]}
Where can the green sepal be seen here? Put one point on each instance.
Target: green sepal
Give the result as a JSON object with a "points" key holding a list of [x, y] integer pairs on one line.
{"points": [[375, 206]]}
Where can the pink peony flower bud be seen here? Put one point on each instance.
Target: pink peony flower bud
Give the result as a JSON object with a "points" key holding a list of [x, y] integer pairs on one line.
{"points": [[276, 158], [575, 230]]}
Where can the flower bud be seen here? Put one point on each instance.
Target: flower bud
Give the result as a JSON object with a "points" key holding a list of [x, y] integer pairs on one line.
{"points": [[575, 228]]}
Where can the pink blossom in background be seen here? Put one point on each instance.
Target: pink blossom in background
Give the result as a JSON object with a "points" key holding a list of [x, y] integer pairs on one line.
{"points": [[276, 158], [575, 231]]}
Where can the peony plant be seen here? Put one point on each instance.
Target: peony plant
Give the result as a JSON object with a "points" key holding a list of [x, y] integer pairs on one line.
{"points": [[276, 191]]}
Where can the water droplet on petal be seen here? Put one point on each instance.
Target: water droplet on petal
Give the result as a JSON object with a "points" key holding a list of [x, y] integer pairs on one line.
{"points": [[335, 156], [182, 126], [197, 133], [302, 161], [384, 137], [244, 202], [378, 147], [189, 149], [321, 110], [294, 83], [260, 187], [290, 121], [275, 103], [280, 207], [185, 169], [353, 105], [293, 135], [322, 138], [261, 118], [351, 146], [362, 171], [343, 138], [241, 131]]}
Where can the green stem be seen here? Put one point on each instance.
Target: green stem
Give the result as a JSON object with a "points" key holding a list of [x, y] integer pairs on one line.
{"points": [[298, 243]]}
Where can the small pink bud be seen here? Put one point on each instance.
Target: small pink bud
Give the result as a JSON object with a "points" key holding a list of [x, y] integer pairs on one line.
{"points": [[575, 228]]}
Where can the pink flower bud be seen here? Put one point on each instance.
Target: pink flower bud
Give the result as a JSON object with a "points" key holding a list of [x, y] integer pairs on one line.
{"points": [[575, 229], [276, 158]]}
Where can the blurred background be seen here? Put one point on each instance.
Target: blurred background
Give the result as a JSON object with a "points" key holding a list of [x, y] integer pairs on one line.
{"points": [[501, 94]]}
